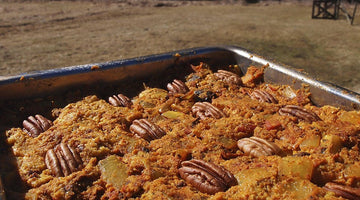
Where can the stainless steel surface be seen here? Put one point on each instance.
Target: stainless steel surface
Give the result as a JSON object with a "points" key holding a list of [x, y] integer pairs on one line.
{"points": [[46, 82], [321, 93]]}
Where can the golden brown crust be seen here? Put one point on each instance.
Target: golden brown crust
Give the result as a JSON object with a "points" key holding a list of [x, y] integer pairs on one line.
{"points": [[302, 153]]}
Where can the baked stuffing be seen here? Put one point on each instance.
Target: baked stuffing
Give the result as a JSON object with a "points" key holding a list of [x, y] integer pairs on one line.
{"points": [[212, 135]]}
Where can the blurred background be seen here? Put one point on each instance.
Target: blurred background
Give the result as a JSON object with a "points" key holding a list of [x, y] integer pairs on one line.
{"points": [[39, 35]]}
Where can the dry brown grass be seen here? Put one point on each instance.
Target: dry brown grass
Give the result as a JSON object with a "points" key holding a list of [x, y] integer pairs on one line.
{"points": [[37, 36]]}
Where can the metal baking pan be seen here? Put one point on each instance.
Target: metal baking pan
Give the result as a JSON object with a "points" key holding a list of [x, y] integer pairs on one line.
{"points": [[42, 83], [38, 92]]}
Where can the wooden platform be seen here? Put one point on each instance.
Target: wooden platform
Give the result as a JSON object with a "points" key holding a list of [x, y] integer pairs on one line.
{"points": [[325, 9]]}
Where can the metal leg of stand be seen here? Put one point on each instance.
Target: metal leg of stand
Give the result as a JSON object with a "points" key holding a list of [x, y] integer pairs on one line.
{"points": [[353, 16]]}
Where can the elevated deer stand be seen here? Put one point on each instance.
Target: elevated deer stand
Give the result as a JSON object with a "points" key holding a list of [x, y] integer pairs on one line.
{"points": [[325, 9], [329, 9]]}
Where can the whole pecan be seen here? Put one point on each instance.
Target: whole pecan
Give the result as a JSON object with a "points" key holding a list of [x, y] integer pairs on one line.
{"points": [[63, 160], [299, 112], [120, 100], [228, 77], [36, 125], [206, 109], [147, 130], [257, 147], [177, 87], [343, 191], [263, 96], [206, 177]]}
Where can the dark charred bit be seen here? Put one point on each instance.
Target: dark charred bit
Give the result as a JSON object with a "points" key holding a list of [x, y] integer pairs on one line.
{"points": [[301, 154], [145, 149], [210, 96], [206, 96], [195, 122]]}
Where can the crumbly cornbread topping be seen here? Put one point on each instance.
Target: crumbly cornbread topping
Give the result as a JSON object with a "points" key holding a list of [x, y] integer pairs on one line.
{"points": [[212, 135]]}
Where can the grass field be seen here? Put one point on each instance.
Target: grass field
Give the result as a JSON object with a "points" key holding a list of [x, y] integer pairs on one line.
{"points": [[37, 36]]}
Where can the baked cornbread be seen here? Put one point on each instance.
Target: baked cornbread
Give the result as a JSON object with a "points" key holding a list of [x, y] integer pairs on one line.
{"points": [[213, 135]]}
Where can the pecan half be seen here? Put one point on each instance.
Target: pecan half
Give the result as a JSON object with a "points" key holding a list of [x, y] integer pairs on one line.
{"points": [[343, 191], [63, 160], [228, 77], [120, 100], [206, 109], [257, 147], [299, 112], [177, 87], [147, 130], [263, 96], [36, 125], [206, 177]]}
